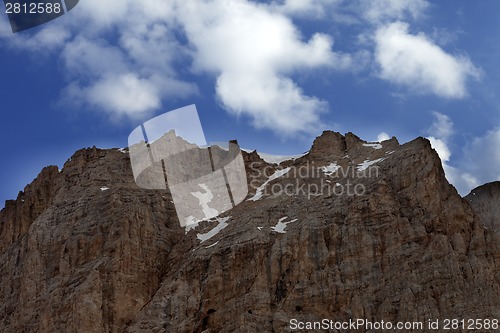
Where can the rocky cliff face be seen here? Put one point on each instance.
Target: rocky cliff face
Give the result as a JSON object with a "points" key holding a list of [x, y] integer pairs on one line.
{"points": [[350, 230]]}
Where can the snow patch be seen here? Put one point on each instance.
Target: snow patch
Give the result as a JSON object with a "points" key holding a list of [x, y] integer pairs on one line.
{"points": [[260, 228], [330, 169], [367, 163], [207, 247], [104, 188], [280, 226], [258, 194], [373, 145], [122, 150], [222, 224]]}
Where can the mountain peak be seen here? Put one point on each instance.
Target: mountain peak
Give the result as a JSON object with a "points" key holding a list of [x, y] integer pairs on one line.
{"points": [[374, 224]]}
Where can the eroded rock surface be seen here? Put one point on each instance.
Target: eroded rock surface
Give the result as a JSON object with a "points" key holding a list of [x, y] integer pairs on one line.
{"points": [[351, 230]]}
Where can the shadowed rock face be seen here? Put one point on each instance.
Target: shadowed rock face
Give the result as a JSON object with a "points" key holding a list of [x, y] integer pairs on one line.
{"points": [[86, 250], [485, 200]]}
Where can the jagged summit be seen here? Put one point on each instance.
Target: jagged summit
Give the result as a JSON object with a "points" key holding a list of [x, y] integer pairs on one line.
{"points": [[333, 143], [350, 230]]}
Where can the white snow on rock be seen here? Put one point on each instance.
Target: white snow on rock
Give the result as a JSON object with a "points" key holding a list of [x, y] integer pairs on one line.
{"points": [[104, 188], [280, 226], [207, 247], [330, 169], [222, 224], [258, 194], [122, 150], [367, 163], [373, 145]]}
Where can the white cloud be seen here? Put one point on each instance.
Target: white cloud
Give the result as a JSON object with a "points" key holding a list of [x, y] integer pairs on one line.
{"points": [[441, 148], [253, 52], [416, 62], [463, 181], [131, 79], [126, 93], [129, 53], [128, 58], [84, 58], [378, 11], [308, 8], [47, 39], [292, 111], [442, 127], [440, 132], [482, 156], [480, 162], [383, 137]]}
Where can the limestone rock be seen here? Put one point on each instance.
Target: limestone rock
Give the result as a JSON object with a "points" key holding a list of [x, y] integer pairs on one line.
{"points": [[352, 230], [485, 200]]}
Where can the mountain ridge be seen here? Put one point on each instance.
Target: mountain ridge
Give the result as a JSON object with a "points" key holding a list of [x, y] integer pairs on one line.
{"points": [[86, 249]]}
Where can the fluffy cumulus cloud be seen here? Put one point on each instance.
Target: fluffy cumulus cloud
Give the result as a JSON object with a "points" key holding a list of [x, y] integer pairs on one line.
{"points": [[253, 51], [378, 11], [314, 8], [127, 57], [126, 92], [417, 63], [442, 127], [482, 157], [441, 147], [439, 135], [383, 136], [479, 161], [440, 131]]}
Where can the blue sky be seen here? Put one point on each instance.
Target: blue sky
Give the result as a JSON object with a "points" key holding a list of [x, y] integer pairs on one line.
{"points": [[272, 74]]}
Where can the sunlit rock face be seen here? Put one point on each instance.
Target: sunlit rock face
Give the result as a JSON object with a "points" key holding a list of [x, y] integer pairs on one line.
{"points": [[349, 230]]}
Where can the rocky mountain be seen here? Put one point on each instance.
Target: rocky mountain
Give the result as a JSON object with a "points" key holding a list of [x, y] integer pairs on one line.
{"points": [[351, 230]]}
